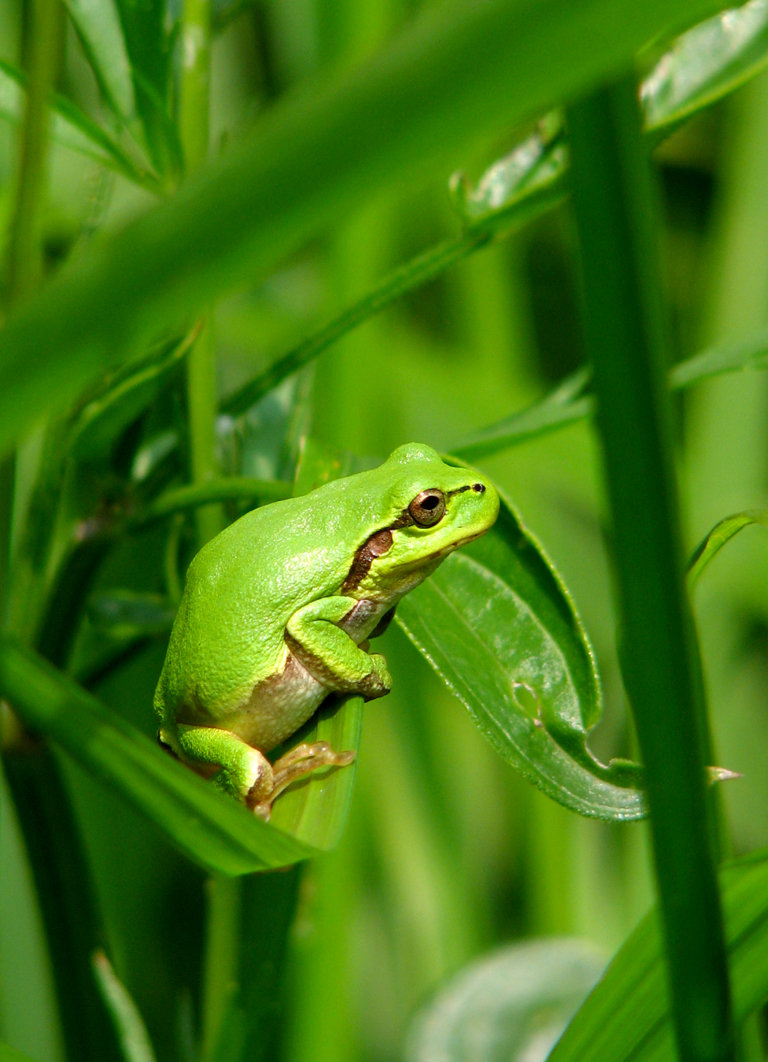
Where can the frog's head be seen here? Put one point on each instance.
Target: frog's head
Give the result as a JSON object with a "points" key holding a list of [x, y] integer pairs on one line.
{"points": [[428, 508]]}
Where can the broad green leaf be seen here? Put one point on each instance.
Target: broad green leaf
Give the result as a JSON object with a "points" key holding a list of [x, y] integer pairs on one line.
{"points": [[73, 129], [508, 1006], [499, 627], [214, 831], [721, 533], [98, 26], [311, 160], [627, 1015], [129, 1025]]}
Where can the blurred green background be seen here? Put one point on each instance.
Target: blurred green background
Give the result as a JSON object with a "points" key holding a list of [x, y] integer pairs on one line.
{"points": [[448, 852]]}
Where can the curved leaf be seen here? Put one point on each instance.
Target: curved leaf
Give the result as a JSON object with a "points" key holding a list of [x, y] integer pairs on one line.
{"points": [[509, 1006], [499, 627], [627, 1015], [721, 533], [214, 831]]}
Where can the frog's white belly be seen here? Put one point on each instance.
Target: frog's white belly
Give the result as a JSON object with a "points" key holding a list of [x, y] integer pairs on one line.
{"points": [[279, 705]]}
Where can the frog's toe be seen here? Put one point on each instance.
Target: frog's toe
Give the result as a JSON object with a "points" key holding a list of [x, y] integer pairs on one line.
{"points": [[302, 760]]}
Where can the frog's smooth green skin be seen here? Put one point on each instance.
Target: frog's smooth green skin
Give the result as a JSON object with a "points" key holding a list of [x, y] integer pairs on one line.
{"points": [[278, 608]]}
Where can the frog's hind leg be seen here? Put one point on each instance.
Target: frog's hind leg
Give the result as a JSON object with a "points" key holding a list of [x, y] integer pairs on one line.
{"points": [[301, 760], [245, 772]]}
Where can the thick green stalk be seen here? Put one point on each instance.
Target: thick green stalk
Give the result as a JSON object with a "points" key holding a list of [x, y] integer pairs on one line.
{"points": [[614, 210], [25, 253], [194, 122]]}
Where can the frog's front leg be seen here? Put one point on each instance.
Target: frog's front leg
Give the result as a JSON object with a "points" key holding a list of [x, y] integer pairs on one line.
{"points": [[245, 772], [330, 655]]}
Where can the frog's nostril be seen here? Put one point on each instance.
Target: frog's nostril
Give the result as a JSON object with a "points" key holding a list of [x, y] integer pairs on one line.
{"points": [[479, 488]]}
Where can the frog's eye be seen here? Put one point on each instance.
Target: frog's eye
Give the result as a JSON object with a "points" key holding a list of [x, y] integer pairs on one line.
{"points": [[427, 508]]}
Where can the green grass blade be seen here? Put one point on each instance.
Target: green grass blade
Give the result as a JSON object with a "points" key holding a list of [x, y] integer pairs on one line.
{"points": [[132, 1034], [627, 1016], [101, 34], [614, 210], [314, 158]]}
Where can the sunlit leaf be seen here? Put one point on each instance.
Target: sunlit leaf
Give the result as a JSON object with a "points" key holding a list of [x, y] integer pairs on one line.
{"points": [[509, 1006], [627, 1015], [707, 63], [703, 65], [499, 627]]}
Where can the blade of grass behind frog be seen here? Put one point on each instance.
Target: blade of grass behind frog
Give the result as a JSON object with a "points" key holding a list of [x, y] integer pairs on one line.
{"points": [[499, 627], [213, 831]]}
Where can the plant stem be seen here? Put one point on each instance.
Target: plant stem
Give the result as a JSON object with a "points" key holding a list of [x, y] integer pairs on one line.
{"points": [[614, 210], [25, 255], [193, 119]]}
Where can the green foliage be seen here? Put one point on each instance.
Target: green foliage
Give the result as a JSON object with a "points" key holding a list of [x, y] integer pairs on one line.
{"points": [[305, 300]]}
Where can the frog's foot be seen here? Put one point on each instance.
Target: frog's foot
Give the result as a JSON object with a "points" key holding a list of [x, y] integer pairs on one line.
{"points": [[294, 765]]}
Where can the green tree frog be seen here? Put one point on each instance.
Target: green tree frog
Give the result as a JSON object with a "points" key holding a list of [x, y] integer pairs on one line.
{"points": [[277, 611]]}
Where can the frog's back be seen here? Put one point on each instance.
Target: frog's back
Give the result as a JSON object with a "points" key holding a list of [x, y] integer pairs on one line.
{"points": [[241, 589]]}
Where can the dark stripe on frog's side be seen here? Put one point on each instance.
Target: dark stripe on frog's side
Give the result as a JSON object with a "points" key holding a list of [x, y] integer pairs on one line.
{"points": [[379, 543]]}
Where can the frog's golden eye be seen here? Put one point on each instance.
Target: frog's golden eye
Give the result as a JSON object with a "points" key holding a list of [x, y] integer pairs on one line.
{"points": [[428, 508]]}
